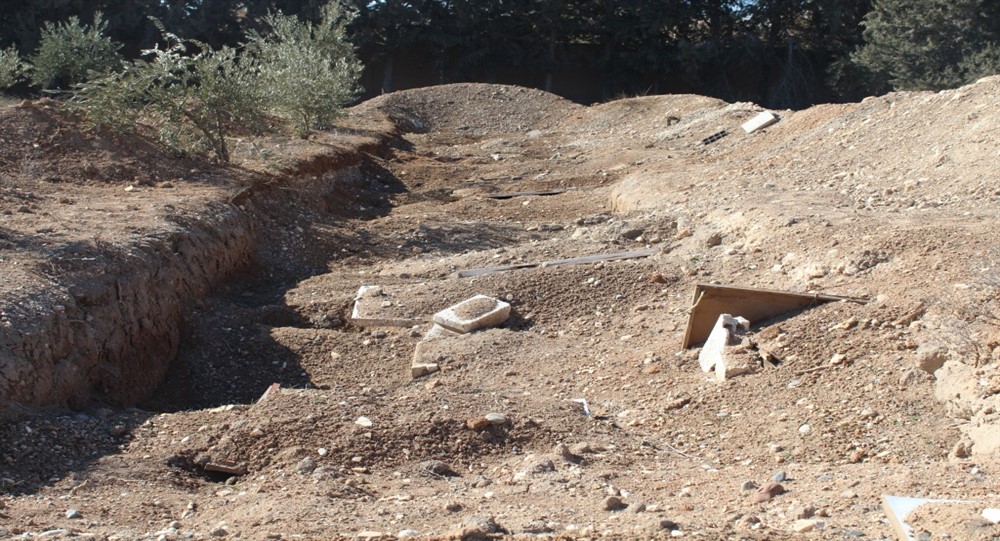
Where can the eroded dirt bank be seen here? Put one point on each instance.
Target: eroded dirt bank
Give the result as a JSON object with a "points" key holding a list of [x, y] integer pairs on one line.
{"points": [[350, 446], [108, 243]]}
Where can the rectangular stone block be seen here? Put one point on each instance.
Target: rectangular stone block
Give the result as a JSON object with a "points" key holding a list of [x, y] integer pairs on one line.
{"points": [[479, 312], [759, 122], [374, 306]]}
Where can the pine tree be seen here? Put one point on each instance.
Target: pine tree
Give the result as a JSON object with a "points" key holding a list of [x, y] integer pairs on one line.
{"points": [[929, 44]]}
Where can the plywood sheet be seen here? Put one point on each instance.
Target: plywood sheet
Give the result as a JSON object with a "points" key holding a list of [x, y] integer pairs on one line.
{"points": [[756, 305]]}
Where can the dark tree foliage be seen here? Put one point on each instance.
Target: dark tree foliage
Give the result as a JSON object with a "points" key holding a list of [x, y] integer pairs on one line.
{"points": [[930, 44], [779, 53]]}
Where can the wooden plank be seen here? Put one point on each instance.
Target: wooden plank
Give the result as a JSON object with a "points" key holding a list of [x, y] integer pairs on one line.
{"points": [[490, 270], [756, 305], [634, 254], [509, 195]]}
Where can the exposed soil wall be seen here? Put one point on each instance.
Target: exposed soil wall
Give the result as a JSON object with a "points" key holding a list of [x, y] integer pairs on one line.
{"points": [[102, 321], [110, 330]]}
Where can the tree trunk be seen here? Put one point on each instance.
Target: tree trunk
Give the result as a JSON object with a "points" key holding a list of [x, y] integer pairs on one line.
{"points": [[387, 69]]}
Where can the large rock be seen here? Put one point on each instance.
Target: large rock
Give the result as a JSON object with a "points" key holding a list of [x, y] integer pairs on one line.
{"points": [[931, 357]]}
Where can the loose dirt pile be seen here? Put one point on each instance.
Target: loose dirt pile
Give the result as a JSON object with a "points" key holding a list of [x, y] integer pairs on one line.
{"points": [[580, 416]]}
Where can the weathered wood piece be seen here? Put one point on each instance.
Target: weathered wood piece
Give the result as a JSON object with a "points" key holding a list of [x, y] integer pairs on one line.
{"points": [[510, 195], [711, 301], [634, 254]]}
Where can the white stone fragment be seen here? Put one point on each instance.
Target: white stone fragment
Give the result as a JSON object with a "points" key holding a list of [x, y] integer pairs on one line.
{"points": [[761, 121], [478, 312], [721, 336]]}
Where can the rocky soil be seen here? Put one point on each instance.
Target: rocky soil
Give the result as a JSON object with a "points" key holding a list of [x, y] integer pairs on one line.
{"points": [[150, 303]]}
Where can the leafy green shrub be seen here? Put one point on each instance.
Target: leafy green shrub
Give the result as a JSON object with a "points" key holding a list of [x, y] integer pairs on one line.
{"points": [[192, 100], [309, 72], [11, 67], [70, 53]]}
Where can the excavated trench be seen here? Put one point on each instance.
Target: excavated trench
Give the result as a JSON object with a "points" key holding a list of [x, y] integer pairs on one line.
{"points": [[110, 321]]}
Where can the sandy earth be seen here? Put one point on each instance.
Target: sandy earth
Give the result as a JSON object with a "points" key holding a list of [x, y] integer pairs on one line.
{"points": [[149, 302]]}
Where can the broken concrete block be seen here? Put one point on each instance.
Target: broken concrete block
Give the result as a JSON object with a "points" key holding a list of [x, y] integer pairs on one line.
{"points": [[759, 122], [438, 331], [374, 307], [419, 370], [479, 312], [721, 336], [735, 361]]}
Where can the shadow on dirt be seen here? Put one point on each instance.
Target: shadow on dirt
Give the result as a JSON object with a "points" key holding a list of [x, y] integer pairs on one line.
{"points": [[43, 448]]}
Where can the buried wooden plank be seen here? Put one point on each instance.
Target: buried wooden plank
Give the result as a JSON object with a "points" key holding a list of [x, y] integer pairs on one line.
{"points": [[634, 254], [756, 305], [510, 195]]}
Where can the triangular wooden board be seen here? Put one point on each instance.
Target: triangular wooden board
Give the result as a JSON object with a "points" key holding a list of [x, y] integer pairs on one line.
{"points": [[756, 305]]}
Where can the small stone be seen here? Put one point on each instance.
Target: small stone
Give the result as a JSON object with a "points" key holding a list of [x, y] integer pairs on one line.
{"points": [[403, 534], [666, 524], [477, 424], [118, 430], [657, 278], [537, 527], [713, 240], [636, 507], [612, 503], [453, 507], [481, 525], [306, 466], [803, 525], [806, 511], [322, 451], [805, 429], [931, 357], [563, 451], [838, 358], [496, 418], [924, 536], [219, 532], [73, 513], [766, 492], [779, 477], [437, 467], [581, 448], [748, 486], [364, 422]]}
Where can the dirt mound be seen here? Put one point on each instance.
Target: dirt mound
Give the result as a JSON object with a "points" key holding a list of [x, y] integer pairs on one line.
{"points": [[474, 109], [42, 142]]}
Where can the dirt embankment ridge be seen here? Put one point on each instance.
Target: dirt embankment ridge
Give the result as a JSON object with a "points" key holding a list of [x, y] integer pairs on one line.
{"points": [[106, 242]]}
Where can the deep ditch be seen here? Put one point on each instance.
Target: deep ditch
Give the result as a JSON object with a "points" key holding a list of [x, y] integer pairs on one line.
{"points": [[106, 331]]}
